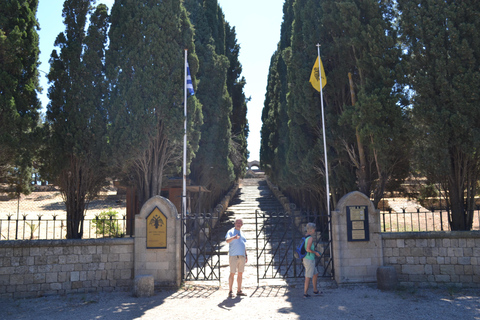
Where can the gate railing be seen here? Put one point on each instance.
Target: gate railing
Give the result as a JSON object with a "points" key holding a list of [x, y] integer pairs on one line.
{"points": [[277, 236], [200, 251]]}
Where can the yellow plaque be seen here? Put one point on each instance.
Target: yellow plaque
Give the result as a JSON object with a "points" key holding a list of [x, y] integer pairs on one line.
{"points": [[156, 230], [358, 234], [358, 225], [357, 214]]}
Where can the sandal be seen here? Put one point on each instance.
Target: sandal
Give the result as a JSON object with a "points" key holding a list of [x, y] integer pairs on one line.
{"points": [[306, 295], [230, 294], [240, 293], [317, 293]]}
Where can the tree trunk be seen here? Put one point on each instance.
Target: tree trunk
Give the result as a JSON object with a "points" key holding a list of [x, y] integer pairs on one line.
{"points": [[457, 185], [74, 186], [362, 174]]}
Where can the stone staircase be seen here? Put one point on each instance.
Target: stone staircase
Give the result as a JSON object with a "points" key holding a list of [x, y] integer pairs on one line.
{"points": [[253, 194]]}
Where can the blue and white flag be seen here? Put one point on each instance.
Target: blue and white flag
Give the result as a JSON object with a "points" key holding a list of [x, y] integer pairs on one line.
{"points": [[189, 82]]}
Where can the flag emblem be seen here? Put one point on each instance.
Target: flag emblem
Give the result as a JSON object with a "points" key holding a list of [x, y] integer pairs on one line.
{"points": [[314, 76], [189, 82]]}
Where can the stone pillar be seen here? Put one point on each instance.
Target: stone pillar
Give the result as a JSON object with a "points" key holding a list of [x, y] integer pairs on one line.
{"points": [[357, 248], [163, 263]]}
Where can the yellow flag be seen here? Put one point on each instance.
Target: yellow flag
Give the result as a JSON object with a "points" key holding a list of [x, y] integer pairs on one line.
{"points": [[314, 79]]}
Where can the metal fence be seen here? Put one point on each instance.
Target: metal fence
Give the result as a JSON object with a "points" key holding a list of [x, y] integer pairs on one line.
{"points": [[42, 215], [55, 229], [419, 221]]}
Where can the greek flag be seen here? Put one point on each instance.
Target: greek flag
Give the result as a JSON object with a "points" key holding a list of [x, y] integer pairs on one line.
{"points": [[189, 82]]}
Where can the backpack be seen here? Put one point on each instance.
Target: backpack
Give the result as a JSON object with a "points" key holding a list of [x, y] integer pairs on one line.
{"points": [[300, 251]]}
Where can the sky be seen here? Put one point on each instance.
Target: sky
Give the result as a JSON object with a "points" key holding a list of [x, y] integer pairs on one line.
{"points": [[257, 24]]}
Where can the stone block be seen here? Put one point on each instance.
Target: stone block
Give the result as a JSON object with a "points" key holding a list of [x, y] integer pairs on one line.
{"points": [[421, 243], [468, 270], [467, 252], [387, 278], [75, 276], [428, 269], [143, 286], [51, 277], [413, 269], [470, 243], [442, 278], [447, 270], [417, 252]]}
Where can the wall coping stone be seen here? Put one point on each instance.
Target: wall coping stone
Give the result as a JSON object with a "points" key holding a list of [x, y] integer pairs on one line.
{"points": [[64, 242], [431, 235]]}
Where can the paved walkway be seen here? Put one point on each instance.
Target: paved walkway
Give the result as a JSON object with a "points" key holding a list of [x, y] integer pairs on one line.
{"points": [[265, 302]]}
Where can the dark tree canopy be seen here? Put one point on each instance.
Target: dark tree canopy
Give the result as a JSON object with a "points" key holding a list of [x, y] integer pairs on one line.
{"points": [[19, 106], [75, 130], [442, 40], [366, 143], [222, 155], [145, 64]]}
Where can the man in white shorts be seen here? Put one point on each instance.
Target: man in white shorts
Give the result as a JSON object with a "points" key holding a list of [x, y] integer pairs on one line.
{"points": [[237, 256]]}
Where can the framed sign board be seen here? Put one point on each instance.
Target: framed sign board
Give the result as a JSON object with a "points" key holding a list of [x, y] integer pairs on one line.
{"points": [[156, 230], [357, 223]]}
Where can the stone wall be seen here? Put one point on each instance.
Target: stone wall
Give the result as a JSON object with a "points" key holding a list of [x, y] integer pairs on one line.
{"points": [[50, 267], [434, 258]]}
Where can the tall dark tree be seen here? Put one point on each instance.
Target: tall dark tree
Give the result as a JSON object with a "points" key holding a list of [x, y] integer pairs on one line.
{"points": [[76, 117], [274, 133], [212, 166], [365, 139], [19, 106], [442, 39], [377, 142], [145, 64], [235, 86], [223, 153]]}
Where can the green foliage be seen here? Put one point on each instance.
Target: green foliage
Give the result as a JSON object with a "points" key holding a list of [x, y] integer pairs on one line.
{"points": [[145, 64], [366, 137], [427, 192], [18, 181], [106, 224], [76, 122], [235, 86], [443, 68], [19, 106], [222, 154]]}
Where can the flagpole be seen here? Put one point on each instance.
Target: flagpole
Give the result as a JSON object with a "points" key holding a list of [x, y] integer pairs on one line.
{"points": [[184, 190], [324, 132]]}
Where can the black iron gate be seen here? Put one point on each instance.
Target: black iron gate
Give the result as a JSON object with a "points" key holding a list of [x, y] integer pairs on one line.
{"points": [[200, 249], [277, 236]]}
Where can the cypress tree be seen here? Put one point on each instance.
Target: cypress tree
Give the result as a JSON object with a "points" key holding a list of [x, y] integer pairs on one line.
{"points": [[442, 43], [235, 86], [75, 127], [356, 37], [19, 106], [223, 153], [145, 65], [378, 144]]}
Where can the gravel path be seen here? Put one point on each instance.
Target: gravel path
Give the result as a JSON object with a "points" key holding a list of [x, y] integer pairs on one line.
{"points": [[265, 302]]}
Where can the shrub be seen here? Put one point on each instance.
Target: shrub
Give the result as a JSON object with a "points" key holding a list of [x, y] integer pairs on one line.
{"points": [[106, 224]]}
